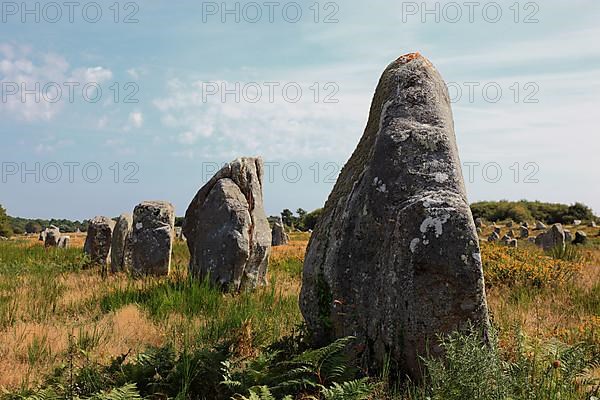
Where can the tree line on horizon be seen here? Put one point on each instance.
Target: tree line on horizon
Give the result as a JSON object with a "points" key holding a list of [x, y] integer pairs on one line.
{"points": [[303, 220]]}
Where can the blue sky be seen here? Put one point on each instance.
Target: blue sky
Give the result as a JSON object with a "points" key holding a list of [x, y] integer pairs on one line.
{"points": [[177, 59]]}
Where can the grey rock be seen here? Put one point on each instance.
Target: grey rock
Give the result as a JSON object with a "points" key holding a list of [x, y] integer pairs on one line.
{"points": [[52, 236], [568, 236], [524, 232], [152, 238], [479, 223], [592, 224], [497, 229], [494, 237], [227, 230], [531, 239], [580, 238], [525, 224], [280, 237], [509, 224], [539, 225], [479, 231], [64, 242], [513, 243], [42, 236], [506, 238], [553, 237], [394, 259], [577, 222], [511, 233], [98, 240], [121, 249]]}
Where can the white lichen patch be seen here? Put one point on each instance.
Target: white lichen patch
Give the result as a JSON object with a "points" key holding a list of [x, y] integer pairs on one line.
{"points": [[380, 186], [436, 223], [413, 244], [139, 225], [477, 257], [440, 177]]}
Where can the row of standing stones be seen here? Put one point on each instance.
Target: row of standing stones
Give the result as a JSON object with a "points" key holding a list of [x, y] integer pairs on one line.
{"points": [[550, 238], [394, 260]]}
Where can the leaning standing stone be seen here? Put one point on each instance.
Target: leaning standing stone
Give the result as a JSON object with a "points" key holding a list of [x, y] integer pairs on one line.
{"points": [[227, 230], [152, 238], [98, 240], [394, 259], [120, 256]]}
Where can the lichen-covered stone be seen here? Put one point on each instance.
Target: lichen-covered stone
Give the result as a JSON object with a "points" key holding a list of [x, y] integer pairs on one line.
{"points": [[152, 238], [51, 237], [394, 259], [553, 237], [98, 240], [227, 230], [280, 237], [120, 256]]}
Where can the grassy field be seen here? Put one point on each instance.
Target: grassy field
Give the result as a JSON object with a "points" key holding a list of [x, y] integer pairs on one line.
{"points": [[67, 332]]}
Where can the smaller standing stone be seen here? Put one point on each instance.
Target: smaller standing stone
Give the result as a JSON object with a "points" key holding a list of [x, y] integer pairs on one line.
{"points": [[553, 237], [592, 224], [52, 236], [494, 237], [524, 234], [120, 256], [98, 240], [479, 223], [279, 236], [580, 238], [152, 238], [577, 222], [63, 242], [568, 236], [539, 225]]}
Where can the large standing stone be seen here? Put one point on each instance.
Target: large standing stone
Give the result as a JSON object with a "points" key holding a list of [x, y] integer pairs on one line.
{"points": [[280, 237], [98, 240], [395, 258], [152, 238], [227, 230], [52, 236], [120, 256], [524, 234], [553, 237]]}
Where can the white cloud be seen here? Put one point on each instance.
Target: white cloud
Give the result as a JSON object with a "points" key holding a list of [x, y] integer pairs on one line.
{"points": [[133, 73], [136, 119], [22, 69]]}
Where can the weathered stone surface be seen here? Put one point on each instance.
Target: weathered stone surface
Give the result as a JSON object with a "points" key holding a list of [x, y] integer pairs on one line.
{"points": [[524, 233], [568, 236], [394, 259], [280, 237], [64, 242], [553, 237], [227, 230], [152, 238], [98, 240], [120, 255], [539, 225], [52, 236], [580, 237]]}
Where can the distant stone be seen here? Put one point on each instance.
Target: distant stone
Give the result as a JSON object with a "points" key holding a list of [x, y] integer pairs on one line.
{"points": [[580, 238], [553, 237], [64, 241], [98, 240], [524, 232], [52, 236], [497, 229], [539, 225], [509, 224], [531, 239], [394, 259], [512, 243], [479, 231], [494, 237], [178, 232], [121, 252], [3, 238], [227, 230], [479, 223], [568, 236], [525, 224], [576, 222], [592, 224], [152, 238], [42, 236], [511, 234], [280, 237]]}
